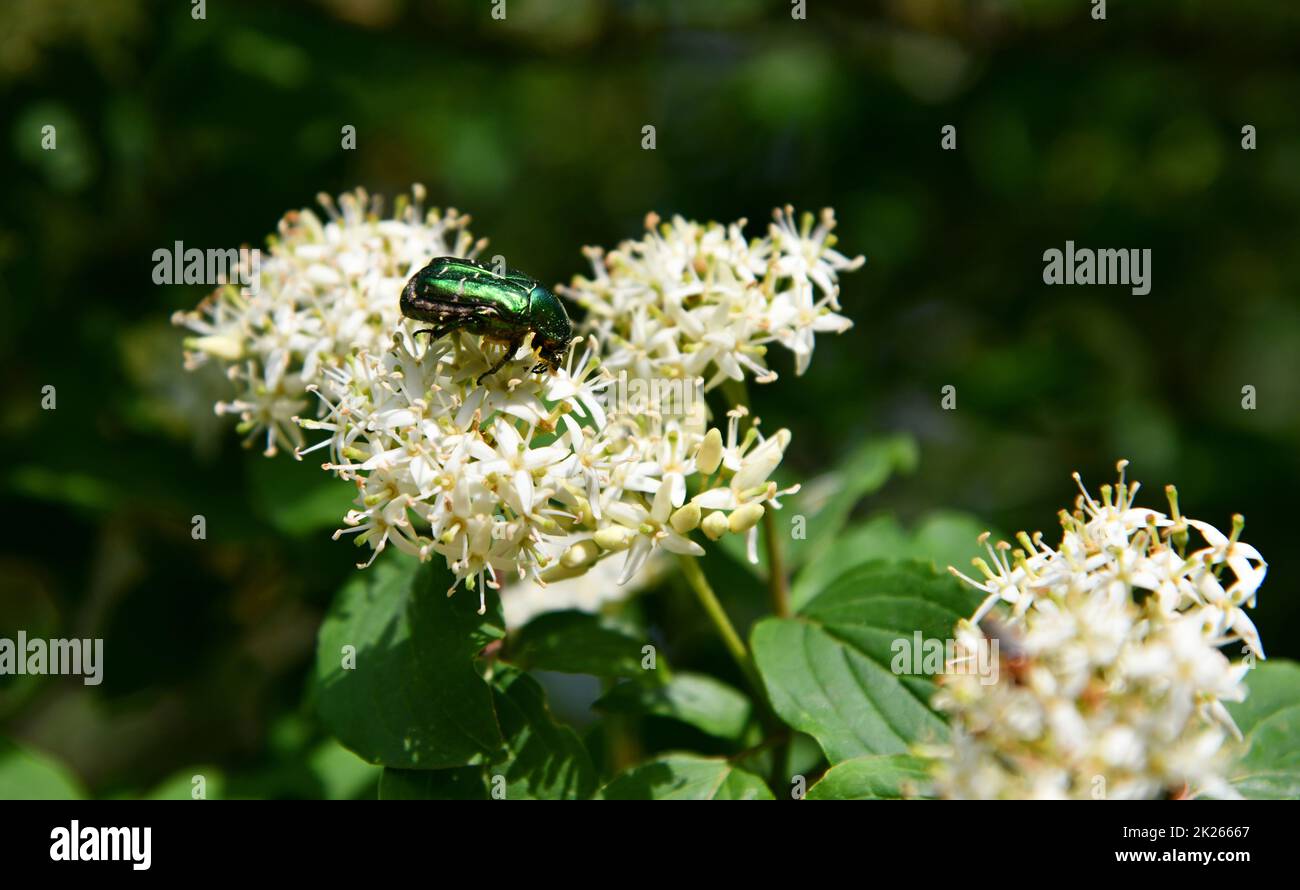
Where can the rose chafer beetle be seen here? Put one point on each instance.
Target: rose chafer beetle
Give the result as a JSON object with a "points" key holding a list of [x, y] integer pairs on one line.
{"points": [[455, 294]]}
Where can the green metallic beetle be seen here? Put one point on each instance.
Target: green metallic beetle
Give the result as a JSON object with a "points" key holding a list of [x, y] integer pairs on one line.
{"points": [[456, 294]]}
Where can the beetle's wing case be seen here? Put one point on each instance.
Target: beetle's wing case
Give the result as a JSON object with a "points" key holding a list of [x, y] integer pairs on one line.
{"points": [[464, 282], [455, 268]]}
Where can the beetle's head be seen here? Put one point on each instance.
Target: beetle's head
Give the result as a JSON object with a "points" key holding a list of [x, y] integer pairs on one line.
{"points": [[554, 331], [551, 355]]}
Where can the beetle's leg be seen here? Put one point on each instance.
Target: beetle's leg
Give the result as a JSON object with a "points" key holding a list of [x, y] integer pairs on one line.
{"points": [[434, 333], [506, 356]]}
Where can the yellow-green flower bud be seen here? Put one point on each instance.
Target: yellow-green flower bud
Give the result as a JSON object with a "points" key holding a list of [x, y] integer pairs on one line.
{"points": [[224, 347], [685, 519], [613, 537], [714, 525], [710, 454], [742, 519], [580, 554]]}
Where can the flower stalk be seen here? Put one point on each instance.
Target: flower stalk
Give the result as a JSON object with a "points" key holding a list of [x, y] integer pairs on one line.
{"points": [[726, 631], [777, 585]]}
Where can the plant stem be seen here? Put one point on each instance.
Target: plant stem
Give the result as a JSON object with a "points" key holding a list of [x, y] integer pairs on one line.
{"points": [[777, 586], [721, 623]]}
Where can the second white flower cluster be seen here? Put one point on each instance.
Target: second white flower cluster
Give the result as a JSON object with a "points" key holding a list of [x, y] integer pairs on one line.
{"points": [[1114, 679]]}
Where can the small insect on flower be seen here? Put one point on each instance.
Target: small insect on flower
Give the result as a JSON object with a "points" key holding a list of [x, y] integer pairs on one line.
{"points": [[456, 294]]}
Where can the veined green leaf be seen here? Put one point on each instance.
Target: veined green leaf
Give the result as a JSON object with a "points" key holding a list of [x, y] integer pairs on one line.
{"points": [[412, 699], [575, 642], [541, 759], [460, 783], [874, 777], [1270, 720], [687, 777], [698, 700], [545, 760], [828, 669], [942, 538]]}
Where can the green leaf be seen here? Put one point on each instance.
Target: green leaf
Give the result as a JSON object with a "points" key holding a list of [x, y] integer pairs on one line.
{"points": [[874, 777], [28, 775], [823, 505], [948, 538], [828, 670], [342, 774], [709, 705], [828, 501], [687, 777], [414, 699], [881, 537], [1270, 720], [575, 643], [545, 760], [1274, 685], [943, 538], [461, 783], [805, 756]]}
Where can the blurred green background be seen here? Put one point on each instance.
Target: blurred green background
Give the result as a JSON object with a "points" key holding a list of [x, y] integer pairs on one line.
{"points": [[1123, 133]]}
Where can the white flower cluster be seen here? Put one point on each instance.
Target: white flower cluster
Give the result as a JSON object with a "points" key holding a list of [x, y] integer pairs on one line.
{"points": [[496, 477], [326, 290], [691, 300], [1113, 679], [535, 476]]}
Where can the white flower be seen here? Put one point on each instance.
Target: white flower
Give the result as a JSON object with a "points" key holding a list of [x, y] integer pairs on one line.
{"points": [[752, 459], [326, 289], [652, 530], [1115, 683]]}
